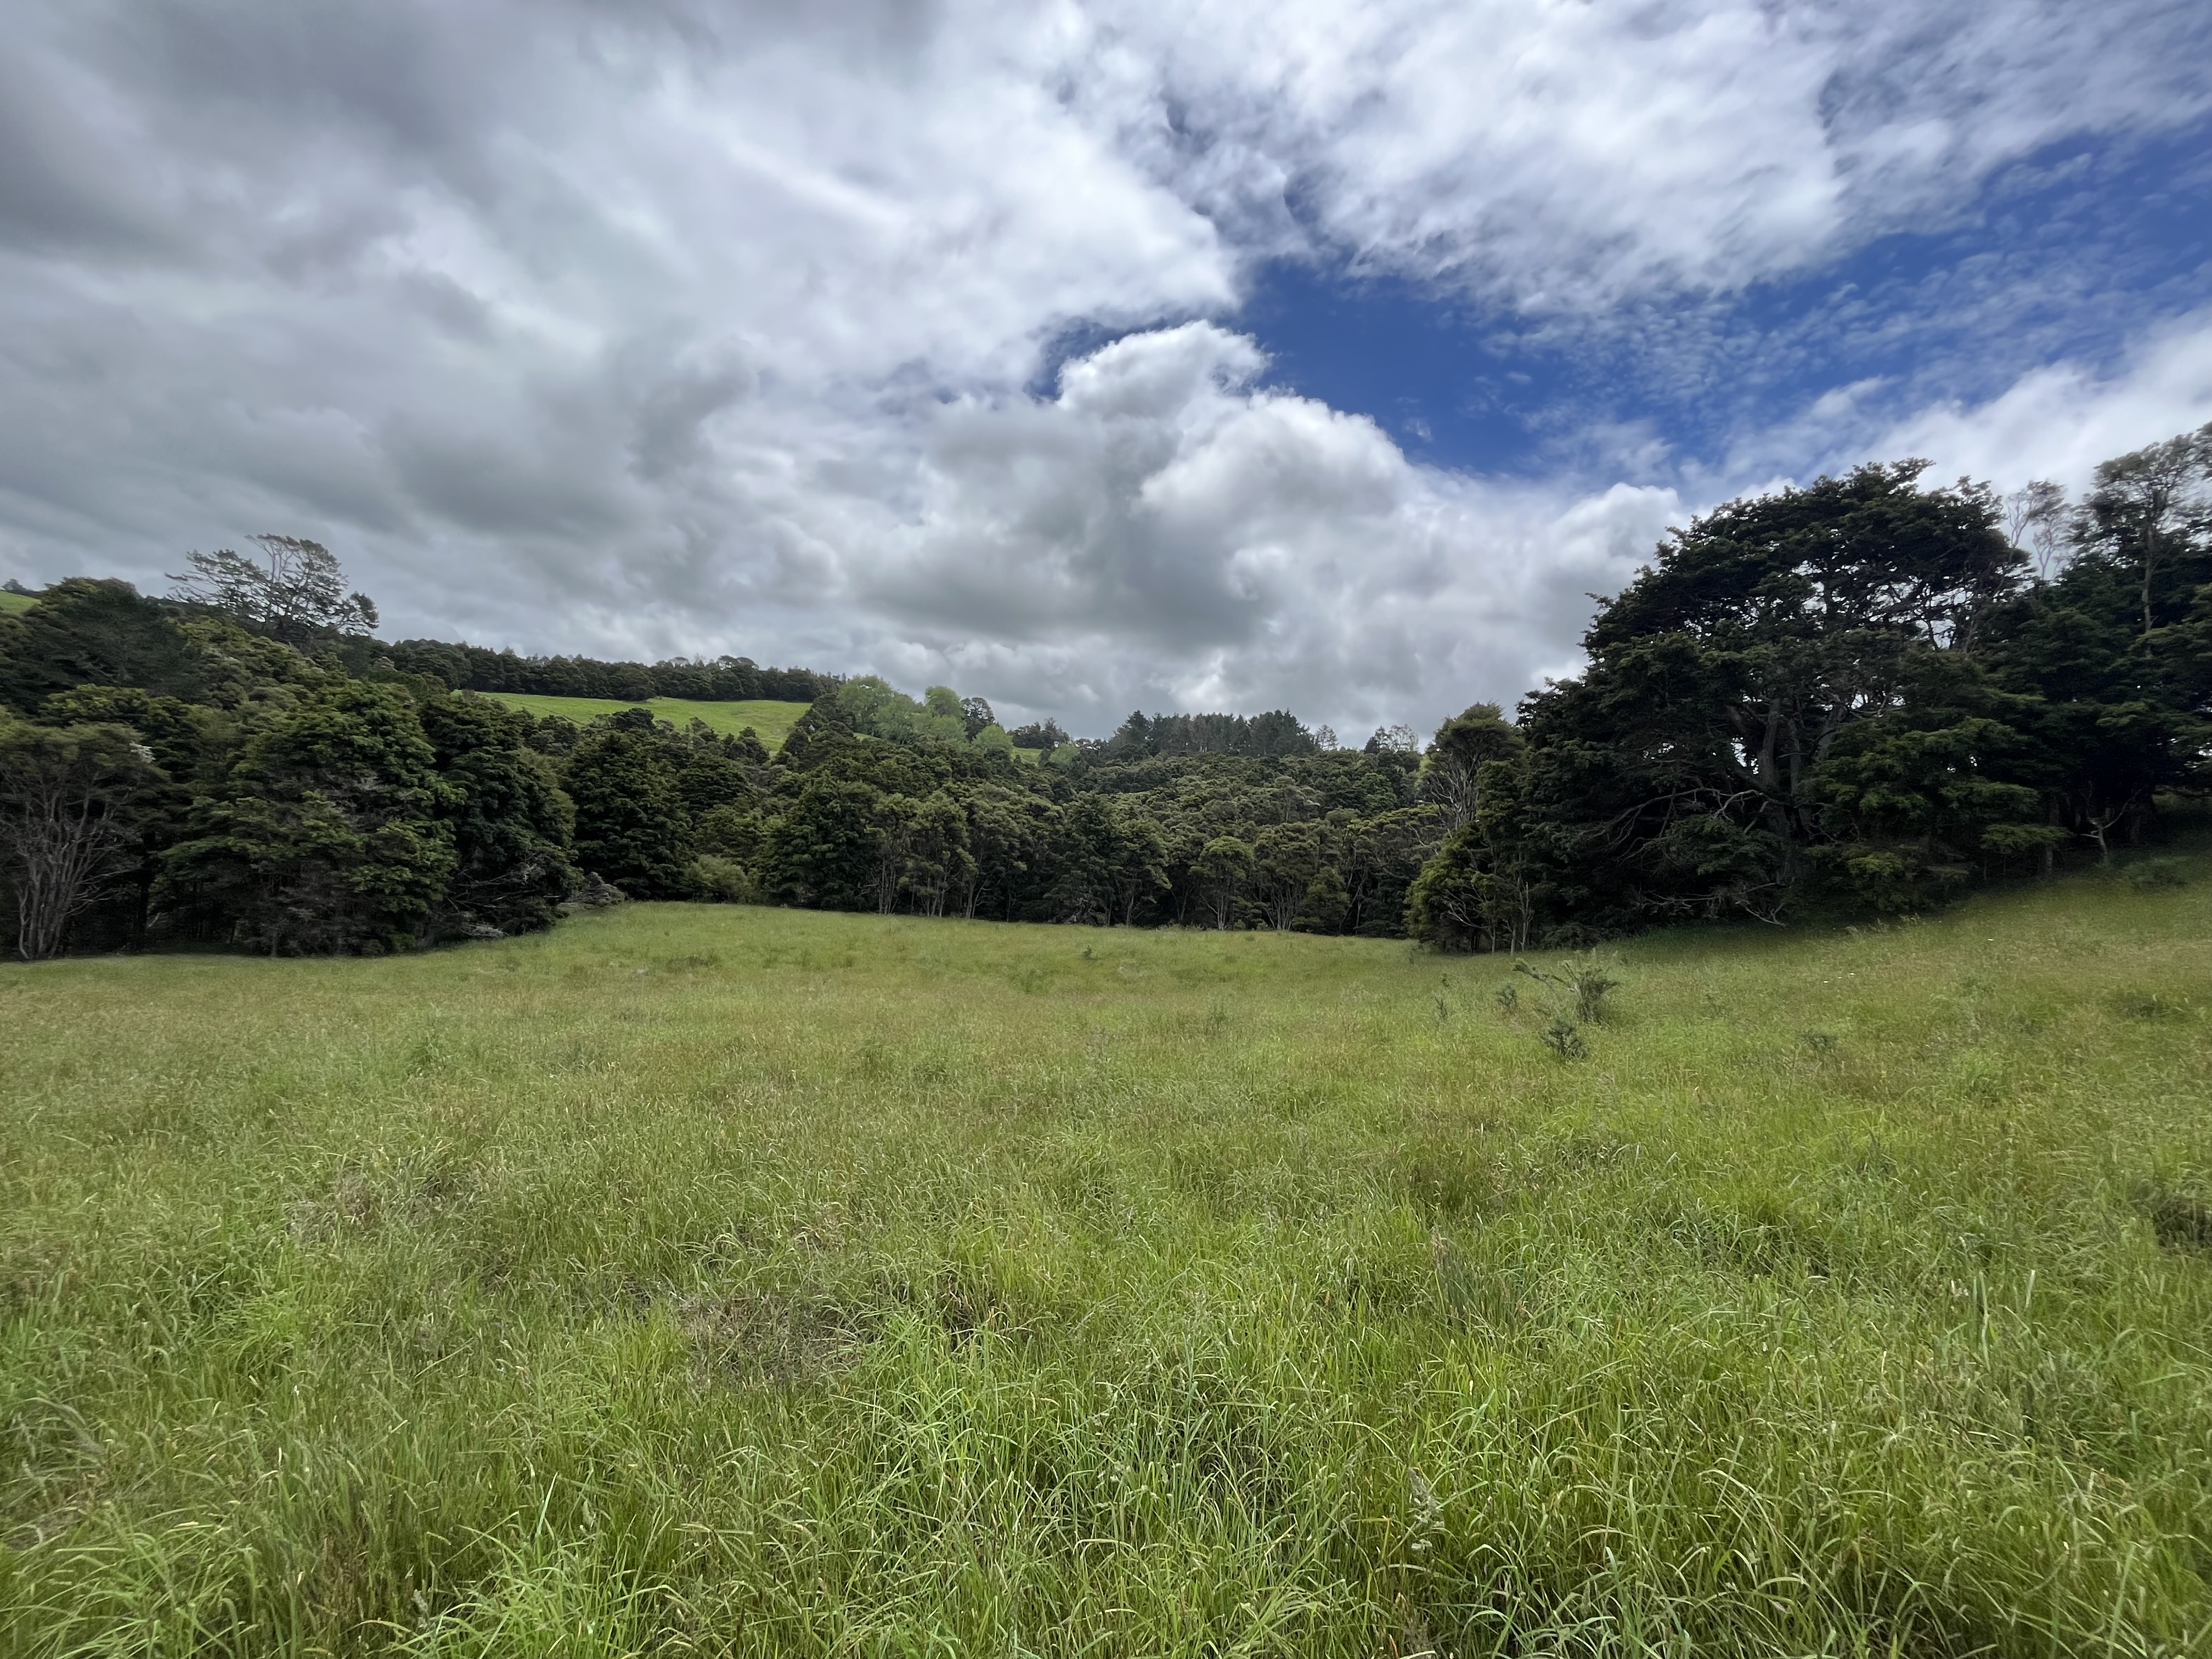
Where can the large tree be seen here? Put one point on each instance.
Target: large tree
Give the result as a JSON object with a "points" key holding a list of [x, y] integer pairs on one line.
{"points": [[511, 822], [330, 832], [294, 591], [2145, 515], [631, 826], [1692, 770], [67, 798]]}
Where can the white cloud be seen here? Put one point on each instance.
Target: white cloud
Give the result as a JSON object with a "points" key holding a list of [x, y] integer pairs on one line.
{"points": [[1568, 156], [1167, 532], [2058, 422]]}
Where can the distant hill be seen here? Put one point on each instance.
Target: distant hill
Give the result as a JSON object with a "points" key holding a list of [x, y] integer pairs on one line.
{"points": [[17, 603], [771, 721]]}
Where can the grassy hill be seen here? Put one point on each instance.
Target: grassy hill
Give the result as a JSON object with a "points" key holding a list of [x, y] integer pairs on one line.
{"points": [[15, 604], [734, 1280], [771, 721]]}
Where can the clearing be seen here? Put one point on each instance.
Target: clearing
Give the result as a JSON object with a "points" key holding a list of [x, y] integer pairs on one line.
{"points": [[770, 721], [746, 1281]]}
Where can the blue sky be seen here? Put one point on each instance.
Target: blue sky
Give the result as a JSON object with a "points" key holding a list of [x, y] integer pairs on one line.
{"points": [[1082, 355], [2067, 255]]}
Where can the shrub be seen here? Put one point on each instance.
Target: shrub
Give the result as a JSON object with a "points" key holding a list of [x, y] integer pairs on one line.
{"points": [[1564, 1038], [1583, 980]]}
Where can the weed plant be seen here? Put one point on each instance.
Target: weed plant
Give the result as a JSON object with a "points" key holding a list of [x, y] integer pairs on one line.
{"points": [[727, 1280]]}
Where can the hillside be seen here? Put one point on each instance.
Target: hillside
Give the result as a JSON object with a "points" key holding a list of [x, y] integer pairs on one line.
{"points": [[770, 721], [735, 1279], [15, 604]]}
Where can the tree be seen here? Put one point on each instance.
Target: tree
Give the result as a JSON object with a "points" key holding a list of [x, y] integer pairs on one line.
{"points": [[83, 632], [1046, 736], [824, 851], [631, 828], [1463, 746], [1786, 694], [184, 740], [1287, 860], [511, 822], [294, 591], [328, 833], [1222, 869], [2035, 516], [937, 861], [2146, 501], [1006, 831], [66, 800]]}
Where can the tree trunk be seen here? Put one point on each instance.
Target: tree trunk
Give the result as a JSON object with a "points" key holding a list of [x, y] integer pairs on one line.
{"points": [[60, 849]]}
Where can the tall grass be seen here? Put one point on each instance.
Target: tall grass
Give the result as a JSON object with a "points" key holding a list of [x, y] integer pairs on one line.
{"points": [[753, 1281]]}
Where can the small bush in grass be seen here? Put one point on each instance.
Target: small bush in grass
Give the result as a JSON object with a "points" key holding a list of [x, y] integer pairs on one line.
{"points": [[2156, 875], [1583, 980], [1573, 996], [1565, 1038]]}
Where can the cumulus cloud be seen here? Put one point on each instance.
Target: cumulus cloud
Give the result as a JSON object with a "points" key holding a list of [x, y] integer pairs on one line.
{"points": [[660, 326], [1168, 531], [2055, 421]]}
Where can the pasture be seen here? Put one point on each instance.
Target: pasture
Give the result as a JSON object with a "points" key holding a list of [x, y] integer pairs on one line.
{"points": [[770, 721], [723, 1279]]}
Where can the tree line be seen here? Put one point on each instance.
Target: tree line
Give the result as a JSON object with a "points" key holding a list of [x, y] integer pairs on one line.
{"points": [[1865, 694], [726, 679]]}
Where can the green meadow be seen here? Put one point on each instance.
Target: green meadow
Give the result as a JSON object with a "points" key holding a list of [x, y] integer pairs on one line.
{"points": [[770, 721], [702, 1280], [15, 603]]}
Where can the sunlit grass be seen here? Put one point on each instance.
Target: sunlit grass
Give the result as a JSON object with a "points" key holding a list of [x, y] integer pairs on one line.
{"points": [[771, 721], [749, 1280]]}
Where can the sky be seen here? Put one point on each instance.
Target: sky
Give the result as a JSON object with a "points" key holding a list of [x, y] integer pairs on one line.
{"points": [[1171, 354]]}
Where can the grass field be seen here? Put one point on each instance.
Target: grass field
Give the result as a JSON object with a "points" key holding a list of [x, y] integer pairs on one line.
{"points": [[728, 1280], [17, 603], [770, 721]]}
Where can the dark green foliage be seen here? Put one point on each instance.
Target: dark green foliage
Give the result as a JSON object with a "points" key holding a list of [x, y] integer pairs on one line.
{"points": [[70, 800], [1852, 694], [329, 832], [631, 828], [726, 679], [823, 851], [1270, 736], [278, 803], [1564, 1039], [83, 632], [511, 822]]}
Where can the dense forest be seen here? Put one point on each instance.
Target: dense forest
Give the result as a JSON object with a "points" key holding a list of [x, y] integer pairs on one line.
{"points": [[1863, 695]]}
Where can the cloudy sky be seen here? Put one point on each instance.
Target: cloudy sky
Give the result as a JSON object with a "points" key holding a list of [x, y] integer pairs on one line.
{"points": [[1171, 353]]}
